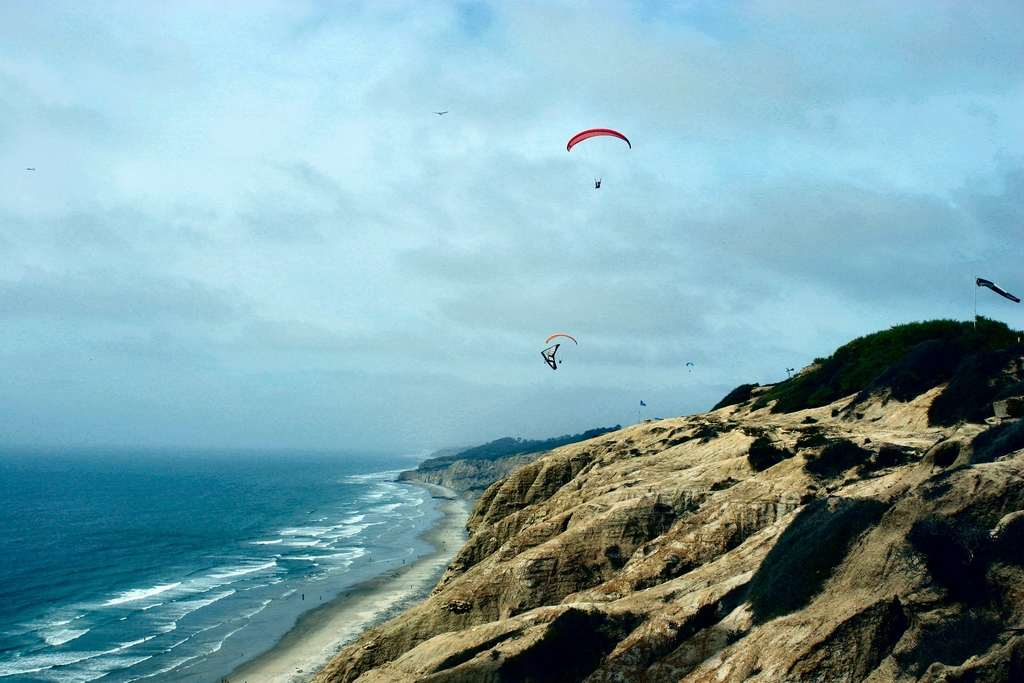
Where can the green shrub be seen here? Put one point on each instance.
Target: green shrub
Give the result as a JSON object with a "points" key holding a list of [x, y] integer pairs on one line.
{"points": [[763, 454], [724, 484], [953, 641], [978, 381], [837, 457], [927, 365], [998, 441], [737, 395], [858, 364], [812, 437], [571, 648], [957, 553], [706, 432], [807, 552], [889, 456]]}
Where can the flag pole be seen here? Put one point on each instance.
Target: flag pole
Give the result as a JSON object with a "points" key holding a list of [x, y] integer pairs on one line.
{"points": [[975, 304]]}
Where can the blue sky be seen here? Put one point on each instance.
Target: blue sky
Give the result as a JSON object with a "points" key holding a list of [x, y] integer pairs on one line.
{"points": [[247, 229]]}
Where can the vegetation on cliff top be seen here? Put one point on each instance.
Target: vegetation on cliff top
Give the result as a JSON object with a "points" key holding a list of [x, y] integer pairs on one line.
{"points": [[904, 362], [509, 446]]}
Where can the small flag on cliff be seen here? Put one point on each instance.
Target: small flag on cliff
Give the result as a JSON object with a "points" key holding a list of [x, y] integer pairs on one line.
{"points": [[643, 404], [979, 282]]}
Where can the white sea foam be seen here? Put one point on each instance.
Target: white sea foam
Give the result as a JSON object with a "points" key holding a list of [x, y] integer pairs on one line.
{"points": [[170, 666], [168, 648], [92, 669], [346, 554], [306, 531], [54, 628], [224, 576], [166, 628], [254, 586], [250, 615], [196, 590], [216, 645], [350, 530], [178, 610], [133, 643], [242, 570], [374, 476], [46, 660], [60, 636], [140, 594]]}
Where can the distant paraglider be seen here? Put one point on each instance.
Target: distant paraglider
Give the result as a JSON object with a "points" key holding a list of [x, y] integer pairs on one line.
{"points": [[689, 365], [549, 356], [549, 353], [597, 158]]}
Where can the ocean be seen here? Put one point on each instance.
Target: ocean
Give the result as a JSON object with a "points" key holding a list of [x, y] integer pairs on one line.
{"points": [[178, 566]]}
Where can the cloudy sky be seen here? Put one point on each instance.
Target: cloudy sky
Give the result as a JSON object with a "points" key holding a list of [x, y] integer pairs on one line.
{"points": [[246, 227]]}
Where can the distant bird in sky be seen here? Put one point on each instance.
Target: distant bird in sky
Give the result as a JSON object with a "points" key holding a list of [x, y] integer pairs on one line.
{"points": [[441, 113], [30, 169]]}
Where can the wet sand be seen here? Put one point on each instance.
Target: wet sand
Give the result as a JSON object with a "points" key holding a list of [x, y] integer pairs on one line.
{"points": [[321, 632]]}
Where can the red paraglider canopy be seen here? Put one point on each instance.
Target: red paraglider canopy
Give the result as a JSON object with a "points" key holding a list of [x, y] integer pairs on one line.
{"points": [[593, 133]]}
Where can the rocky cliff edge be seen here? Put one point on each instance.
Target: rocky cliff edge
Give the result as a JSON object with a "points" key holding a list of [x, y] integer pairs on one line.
{"points": [[862, 540]]}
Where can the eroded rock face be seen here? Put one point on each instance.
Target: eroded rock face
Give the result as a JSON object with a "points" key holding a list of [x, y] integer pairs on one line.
{"points": [[471, 477], [872, 550]]}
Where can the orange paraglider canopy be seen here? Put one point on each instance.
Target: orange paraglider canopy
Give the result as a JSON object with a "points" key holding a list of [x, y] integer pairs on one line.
{"points": [[560, 334]]}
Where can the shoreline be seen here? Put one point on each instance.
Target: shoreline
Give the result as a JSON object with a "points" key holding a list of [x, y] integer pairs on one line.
{"points": [[321, 632]]}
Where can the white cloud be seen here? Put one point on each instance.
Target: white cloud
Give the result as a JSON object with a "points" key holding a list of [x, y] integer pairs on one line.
{"points": [[250, 221]]}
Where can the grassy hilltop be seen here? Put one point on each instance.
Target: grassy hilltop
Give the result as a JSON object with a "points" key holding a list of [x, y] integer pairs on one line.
{"points": [[904, 362]]}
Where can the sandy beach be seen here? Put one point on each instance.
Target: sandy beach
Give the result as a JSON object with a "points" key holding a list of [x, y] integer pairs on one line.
{"points": [[321, 632]]}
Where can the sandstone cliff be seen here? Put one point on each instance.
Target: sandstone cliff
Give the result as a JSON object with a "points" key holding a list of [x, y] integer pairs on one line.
{"points": [[470, 477], [860, 540]]}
